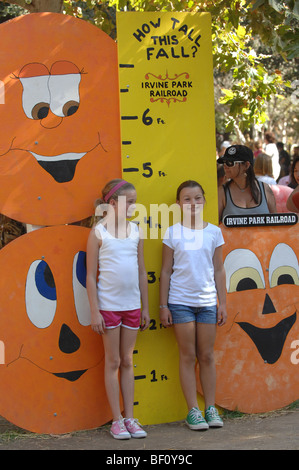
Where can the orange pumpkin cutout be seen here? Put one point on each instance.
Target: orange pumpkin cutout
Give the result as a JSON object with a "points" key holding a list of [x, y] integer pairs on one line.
{"points": [[60, 130], [253, 350], [52, 380]]}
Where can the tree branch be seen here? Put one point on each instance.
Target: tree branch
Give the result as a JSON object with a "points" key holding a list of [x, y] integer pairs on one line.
{"points": [[35, 6]]}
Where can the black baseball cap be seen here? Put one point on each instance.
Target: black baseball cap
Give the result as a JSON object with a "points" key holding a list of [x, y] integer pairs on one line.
{"points": [[239, 153]]}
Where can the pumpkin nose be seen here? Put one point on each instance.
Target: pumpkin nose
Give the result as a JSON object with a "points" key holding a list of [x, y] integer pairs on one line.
{"points": [[268, 306], [50, 120], [68, 341]]}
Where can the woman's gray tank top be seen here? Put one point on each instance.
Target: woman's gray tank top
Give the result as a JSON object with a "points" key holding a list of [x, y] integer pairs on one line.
{"points": [[232, 209]]}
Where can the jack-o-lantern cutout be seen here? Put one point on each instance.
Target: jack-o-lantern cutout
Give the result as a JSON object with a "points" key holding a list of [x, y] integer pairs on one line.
{"points": [[52, 379], [253, 350], [60, 131]]}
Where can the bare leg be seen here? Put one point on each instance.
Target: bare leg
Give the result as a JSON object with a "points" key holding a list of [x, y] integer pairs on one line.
{"points": [[186, 339], [111, 339], [127, 344], [206, 334]]}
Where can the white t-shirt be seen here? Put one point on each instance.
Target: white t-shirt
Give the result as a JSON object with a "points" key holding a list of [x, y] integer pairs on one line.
{"points": [[272, 151], [192, 281], [118, 282]]}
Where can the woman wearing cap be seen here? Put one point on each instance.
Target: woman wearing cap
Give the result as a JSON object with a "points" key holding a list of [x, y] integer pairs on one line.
{"points": [[243, 194]]}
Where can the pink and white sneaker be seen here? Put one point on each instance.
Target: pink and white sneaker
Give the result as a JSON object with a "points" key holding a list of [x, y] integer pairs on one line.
{"points": [[134, 428], [119, 431]]}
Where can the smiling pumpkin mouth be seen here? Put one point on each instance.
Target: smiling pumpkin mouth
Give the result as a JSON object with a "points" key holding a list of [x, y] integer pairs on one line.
{"points": [[269, 341], [71, 376], [61, 167]]}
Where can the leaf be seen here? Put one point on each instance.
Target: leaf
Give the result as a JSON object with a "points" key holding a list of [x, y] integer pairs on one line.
{"points": [[296, 8], [276, 5], [257, 4]]}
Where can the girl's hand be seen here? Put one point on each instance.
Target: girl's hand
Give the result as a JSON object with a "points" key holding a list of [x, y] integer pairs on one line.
{"points": [[98, 323], [145, 320], [165, 317], [221, 315]]}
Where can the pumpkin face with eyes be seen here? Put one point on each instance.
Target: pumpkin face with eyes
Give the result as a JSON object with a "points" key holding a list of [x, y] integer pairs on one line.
{"points": [[253, 349], [60, 131], [52, 377]]}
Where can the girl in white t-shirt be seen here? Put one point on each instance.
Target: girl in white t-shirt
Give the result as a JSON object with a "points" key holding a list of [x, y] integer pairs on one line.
{"points": [[115, 249], [192, 277]]}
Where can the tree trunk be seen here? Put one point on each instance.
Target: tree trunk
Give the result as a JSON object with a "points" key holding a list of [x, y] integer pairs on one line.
{"points": [[35, 6]]}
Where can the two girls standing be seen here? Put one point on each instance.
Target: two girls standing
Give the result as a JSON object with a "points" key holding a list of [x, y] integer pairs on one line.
{"points": [[191, 277]]}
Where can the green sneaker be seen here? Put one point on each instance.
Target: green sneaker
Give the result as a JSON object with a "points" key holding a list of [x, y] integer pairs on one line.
{"points": [[195, 420], [212, 418]]}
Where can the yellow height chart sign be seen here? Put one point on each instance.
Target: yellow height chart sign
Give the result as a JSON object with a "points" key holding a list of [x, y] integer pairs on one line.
{"points": [[168, 136]]}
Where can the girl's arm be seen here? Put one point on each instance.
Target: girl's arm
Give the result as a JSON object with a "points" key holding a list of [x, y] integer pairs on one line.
{"points": [[219, 274], [143, 285], [92, 252], [166, 270]]}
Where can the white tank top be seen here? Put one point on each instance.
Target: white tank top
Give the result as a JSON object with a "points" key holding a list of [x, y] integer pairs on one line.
{"points": [[118, 282]]}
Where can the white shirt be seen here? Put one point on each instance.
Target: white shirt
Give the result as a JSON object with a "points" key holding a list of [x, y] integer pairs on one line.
{"points": [[272, 151], [118, 282], [266, 179], [192, 281]]}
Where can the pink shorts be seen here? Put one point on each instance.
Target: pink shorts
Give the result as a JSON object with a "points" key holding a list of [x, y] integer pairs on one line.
{"points": [[127, 318]]}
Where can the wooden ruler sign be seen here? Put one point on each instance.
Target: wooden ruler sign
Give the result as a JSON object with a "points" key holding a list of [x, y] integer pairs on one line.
{"points": [[168, 136]]}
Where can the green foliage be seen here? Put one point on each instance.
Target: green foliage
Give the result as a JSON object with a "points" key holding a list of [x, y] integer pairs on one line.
{"points": [[276, 23], [8, 11], [235, 25], [246, 76]]}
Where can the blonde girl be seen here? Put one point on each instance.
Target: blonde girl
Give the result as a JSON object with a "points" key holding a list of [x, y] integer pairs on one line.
{"points": [[115, 249]]}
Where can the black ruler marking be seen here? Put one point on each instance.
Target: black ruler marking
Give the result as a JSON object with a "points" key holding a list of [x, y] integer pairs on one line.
{"points": [[129, 118], [130, 170]]}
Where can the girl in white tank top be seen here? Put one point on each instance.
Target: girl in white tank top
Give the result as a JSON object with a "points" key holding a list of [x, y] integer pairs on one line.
{"points": [[115, 250]]}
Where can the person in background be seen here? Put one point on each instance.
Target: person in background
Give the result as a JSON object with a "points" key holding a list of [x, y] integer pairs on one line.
{"points": [[294, 173], [284, 160], [223, 147], [243, 193], [263, 168], [295, 152], [221, 178], [272, 151], [257, 148], [293, 199]]}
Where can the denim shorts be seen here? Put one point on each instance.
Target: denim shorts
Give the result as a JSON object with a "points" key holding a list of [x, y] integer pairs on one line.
{"points": [[185, 314]]}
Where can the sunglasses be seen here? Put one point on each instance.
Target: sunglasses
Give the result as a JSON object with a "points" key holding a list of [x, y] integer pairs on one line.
{"points": [[231, 163]]}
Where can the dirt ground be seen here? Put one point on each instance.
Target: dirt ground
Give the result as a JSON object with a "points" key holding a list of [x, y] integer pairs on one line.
{"points": [[271, 431]]}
